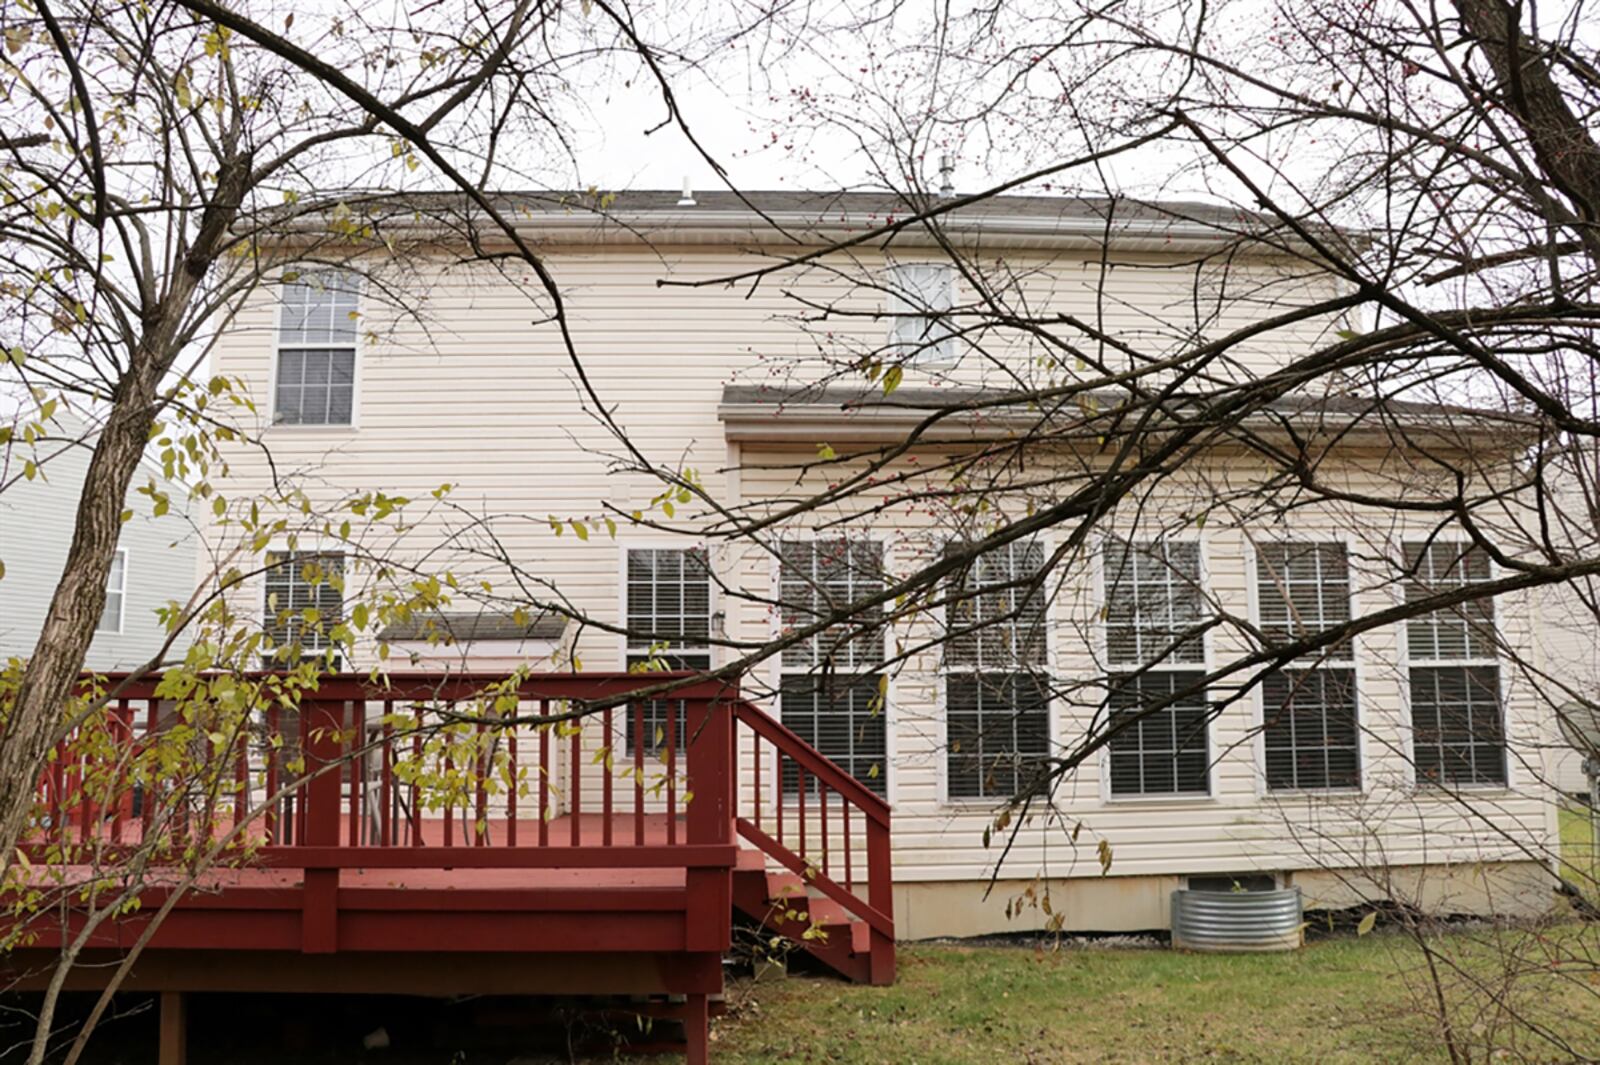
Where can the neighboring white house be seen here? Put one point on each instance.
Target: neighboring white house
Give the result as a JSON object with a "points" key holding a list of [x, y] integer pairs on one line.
{"points": [[484, 400], [155, 561]]}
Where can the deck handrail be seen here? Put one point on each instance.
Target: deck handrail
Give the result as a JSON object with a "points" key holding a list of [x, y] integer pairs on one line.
{"points": [[833, 873], [360, 804], [814, 761]]}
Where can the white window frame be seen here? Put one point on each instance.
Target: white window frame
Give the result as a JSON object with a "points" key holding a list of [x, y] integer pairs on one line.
{"points": [[942, 706], [121, 592], [1102, 591], [777, 670], [279, 347], [1354, 664], [933, 342], [626, 548], [1408, 661], [282, 547]]}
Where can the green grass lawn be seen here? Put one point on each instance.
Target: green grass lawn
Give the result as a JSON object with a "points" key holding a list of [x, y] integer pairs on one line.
{"points": [[1577, 843], [1343, 999]]}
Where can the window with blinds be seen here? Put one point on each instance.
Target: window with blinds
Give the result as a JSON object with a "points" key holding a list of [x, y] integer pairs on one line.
{"points": [[1154, 604], [316, 373], [669, 625], [304, 600], [1309, 712], [829, 692], [997, 690], [1457, 720]]}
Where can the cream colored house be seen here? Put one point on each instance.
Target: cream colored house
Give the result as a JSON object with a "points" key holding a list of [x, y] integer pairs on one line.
{"points": [[1336, 775]]}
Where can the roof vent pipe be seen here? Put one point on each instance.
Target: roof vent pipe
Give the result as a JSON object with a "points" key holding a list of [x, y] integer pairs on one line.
{"points": [[687, 199], [947, 176]]}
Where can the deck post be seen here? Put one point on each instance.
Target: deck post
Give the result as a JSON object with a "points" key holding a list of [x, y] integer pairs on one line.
{"points": [[710, 821], [319, 914], [172, 1047], [880, 895], [696, 1030]]}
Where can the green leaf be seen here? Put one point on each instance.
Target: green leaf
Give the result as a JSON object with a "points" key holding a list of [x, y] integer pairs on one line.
{"points": [[581, 529], [219, 506], [825, 453], [891, 379], [1367, 923]]}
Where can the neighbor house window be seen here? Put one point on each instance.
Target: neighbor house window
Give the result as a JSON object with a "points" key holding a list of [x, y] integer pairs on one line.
{"points": [[669, 625], [1153, 607], [304, 601], [830, 692], [921, 297], [116, 593], [1457, 722], [316, 376], [997, 691], [1309, 708]]}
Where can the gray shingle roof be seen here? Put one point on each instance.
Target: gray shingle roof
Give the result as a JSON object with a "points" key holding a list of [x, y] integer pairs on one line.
{"points": [[916, 402], [876, 206], [467, 626]]}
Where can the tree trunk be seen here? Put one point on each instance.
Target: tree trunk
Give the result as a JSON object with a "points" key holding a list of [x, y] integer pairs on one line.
{"points": [[1564, 148], [32, 728]]}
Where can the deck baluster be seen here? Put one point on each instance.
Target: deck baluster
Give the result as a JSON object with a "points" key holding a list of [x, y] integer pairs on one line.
{"points": [[416, 770], [637, 710], [544, 775], [482, 763], [673, 706], [511, 785], [386, 792], [575, 771], [605, 785]]}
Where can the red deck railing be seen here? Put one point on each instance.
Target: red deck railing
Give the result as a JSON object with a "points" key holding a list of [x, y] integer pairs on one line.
{"points": [[645, 784], [822, 824]]}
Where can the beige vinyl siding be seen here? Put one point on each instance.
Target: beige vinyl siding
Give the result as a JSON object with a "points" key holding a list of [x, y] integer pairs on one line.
{"points": [[1239, 826], [487, 400]]}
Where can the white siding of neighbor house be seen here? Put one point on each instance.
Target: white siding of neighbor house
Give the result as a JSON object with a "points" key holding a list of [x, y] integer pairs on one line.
{"points": [[489, 402], [36, 524]]}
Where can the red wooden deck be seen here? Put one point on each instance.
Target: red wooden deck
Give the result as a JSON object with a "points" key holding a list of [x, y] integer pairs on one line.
{"points": [[598, 881]]}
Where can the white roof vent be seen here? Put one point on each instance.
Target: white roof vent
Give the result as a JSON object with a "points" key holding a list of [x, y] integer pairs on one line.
{"points": [[687, 199]]}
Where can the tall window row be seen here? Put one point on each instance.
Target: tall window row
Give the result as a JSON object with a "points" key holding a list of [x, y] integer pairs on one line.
{"points": [[995, 680]]}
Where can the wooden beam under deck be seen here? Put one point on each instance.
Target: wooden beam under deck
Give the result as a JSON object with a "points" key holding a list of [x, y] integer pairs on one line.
{"points": [[427, 974]]}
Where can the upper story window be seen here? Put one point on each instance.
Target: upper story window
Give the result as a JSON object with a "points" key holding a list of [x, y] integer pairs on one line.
{"points": [[1309, 724], [316, 371], [1153, 606], [921, 298], [116, 594], [669, 622], [304, 600], [997, 688], [1457, 720], [831, 688]]}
